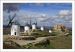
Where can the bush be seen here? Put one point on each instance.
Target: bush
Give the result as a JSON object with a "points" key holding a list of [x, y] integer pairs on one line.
{"points": [[39, 34], [35, 34], [29, 38], [55, 33]]}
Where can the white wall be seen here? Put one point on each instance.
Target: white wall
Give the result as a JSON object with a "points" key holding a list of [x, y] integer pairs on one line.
{"points": [[15, 28], [50, 31], [26, 29], [42, 28], [33, 26]]}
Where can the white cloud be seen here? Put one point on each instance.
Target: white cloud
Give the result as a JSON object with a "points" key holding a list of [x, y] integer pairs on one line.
{"points": [[63, 13], [24, 16]]}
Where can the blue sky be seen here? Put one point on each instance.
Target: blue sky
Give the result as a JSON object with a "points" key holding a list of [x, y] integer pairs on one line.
{"points": [[49, 8], [46, 14]]}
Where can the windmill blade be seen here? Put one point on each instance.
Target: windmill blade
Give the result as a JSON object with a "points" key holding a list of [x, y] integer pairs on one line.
{"points": [[30, 21], [10, 22], [13, 17], [36, 21]]}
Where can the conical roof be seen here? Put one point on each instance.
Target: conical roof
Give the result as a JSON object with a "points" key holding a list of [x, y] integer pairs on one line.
{"points": [[27, 24], [15, 23], [35, 23]]}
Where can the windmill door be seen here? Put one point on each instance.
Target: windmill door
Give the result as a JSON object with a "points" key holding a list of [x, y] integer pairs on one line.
{"points": [[15, 33]]}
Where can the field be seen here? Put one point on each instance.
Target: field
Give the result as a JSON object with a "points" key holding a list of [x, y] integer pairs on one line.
{"points": [[37, 40], [54, 42], [62, 42]]}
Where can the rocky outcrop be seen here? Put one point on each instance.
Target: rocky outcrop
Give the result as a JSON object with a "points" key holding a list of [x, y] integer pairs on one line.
{"points": [[60, 27]]}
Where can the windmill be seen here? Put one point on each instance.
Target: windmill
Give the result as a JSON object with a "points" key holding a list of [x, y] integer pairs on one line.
{"points": [[15, 28]]}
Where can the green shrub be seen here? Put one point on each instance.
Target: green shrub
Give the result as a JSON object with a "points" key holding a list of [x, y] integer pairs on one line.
{"points": [[55, 33], [39, 34], [29, 38]]}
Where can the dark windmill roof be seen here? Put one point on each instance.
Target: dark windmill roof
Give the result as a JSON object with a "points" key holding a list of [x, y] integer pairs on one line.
{"points": [[35, 23], [15, 23], [27, 24]]}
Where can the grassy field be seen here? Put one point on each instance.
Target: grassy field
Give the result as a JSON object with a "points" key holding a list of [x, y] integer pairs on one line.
{"points": [[55, 41], [62, 42]]}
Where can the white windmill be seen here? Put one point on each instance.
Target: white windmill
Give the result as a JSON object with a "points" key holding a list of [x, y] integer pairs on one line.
{"points": [[15, 29], [50, 31], [42, 28], [26, 28], [33, 26]]}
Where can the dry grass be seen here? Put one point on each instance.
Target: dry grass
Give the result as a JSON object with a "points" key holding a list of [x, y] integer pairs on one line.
{"points": [[56, 42], [62, 42]]}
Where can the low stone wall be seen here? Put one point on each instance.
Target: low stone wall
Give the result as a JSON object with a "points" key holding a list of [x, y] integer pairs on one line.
{"points": [[22, 37]]}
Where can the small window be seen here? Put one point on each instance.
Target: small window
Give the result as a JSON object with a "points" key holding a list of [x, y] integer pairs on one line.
{"points": [[15, 33]]}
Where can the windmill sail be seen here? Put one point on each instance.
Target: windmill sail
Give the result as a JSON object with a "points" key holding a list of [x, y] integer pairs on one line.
{"points": [[11, 19]]}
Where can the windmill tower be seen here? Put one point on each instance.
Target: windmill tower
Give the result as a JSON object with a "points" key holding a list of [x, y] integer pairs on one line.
{"points": [[26, 28], [50, 31], [42, 28], [33, 26], [15, 29]]}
